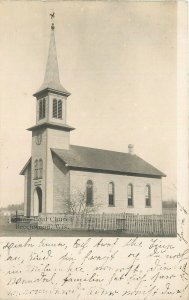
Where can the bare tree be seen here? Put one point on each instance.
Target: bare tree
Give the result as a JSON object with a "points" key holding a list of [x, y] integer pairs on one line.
{"points": [[76, 203]]}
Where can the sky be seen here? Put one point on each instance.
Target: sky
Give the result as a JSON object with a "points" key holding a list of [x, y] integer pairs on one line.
{"points": [[118, 60]]}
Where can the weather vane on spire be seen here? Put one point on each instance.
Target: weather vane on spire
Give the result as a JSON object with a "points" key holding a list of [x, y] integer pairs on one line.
{"points": [[52, 16]]}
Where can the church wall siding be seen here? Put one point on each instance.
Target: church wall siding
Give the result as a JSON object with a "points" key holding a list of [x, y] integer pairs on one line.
{"points": [[78, 181], [60, 186], [58, 139], [27, 191], [55, 139]]}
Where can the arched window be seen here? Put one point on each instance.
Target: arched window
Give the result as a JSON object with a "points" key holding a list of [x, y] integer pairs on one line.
{"points": [[147, 196], [42, 108], [89, 193], [40, 168], [111, 194], [130, 194], [40, 204], [57, 109], [36, 169]]}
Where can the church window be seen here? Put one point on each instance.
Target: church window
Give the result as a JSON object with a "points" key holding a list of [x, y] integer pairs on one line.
{"points": [[147, 196], [40, 201], [89, 193], [36, 169], [40, 168], [130, 194], [57, 109], [54, 108], [111, 194], [42, 108]]}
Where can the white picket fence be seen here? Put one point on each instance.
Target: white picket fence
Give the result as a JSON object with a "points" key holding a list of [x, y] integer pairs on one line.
{"points": [[157, 225]]}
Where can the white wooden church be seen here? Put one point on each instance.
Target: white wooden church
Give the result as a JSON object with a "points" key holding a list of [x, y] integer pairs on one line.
{"points": [[120, 182]]}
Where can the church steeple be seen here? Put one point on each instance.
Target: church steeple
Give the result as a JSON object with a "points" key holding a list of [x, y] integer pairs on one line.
{"points": [[51, 131], [51, 104], [51, 78]]}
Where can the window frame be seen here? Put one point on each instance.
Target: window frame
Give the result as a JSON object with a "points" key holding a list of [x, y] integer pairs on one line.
{"points": [[91, 202], [42, 108], [111, 183], [57, 108], [130, 185], [38, 169], [54, 111], [148, 196]]}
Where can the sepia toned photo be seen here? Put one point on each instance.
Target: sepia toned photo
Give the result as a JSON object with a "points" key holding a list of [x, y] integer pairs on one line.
{"points": [[103, 129], [94, 150]]}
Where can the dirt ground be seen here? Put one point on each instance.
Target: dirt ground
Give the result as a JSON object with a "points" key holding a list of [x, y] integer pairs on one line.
{"points": [[25, 229]]}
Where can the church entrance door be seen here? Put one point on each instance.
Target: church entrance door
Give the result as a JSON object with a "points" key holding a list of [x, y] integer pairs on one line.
{"points": [[37, 201]]}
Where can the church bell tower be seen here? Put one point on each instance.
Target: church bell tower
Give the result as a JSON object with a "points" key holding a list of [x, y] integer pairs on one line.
{"points": [[50, 131]]}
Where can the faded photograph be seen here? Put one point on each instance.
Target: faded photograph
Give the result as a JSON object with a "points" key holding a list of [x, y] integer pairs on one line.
{"points": [[94, 84]]}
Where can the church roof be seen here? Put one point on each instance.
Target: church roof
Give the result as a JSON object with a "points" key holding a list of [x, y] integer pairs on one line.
{"points": [[51, 79], [25, 166], [64, 127], [78, 157]]}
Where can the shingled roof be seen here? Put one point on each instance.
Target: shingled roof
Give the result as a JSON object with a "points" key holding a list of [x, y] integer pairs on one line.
{"points": [[78, 157]]}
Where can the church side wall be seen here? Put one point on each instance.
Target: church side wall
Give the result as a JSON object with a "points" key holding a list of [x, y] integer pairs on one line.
{"points": [[55, 139], [58, 139], [60, 186], [27, 191], [78, 181]]}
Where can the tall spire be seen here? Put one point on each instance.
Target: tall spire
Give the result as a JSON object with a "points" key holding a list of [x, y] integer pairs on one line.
{"points": [[51, 78]]}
